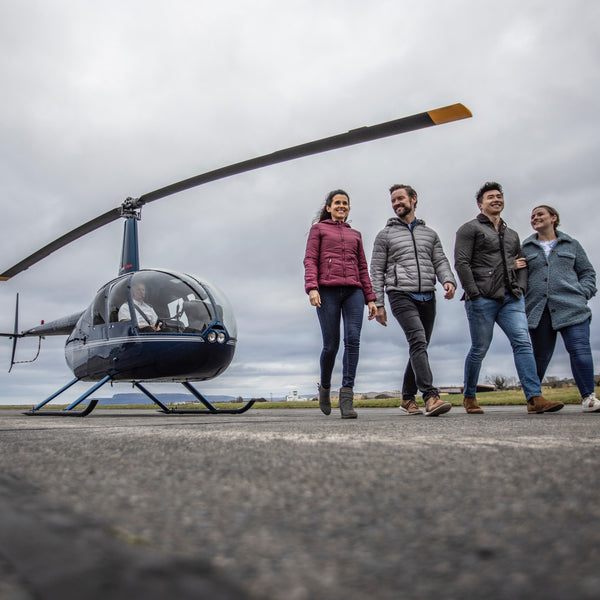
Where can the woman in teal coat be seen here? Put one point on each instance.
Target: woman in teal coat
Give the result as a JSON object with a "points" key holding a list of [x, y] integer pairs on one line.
{"points": [[560, 283]]}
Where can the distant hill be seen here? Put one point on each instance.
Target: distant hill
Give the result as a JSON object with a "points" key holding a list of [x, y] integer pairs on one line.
{"points": [[173, 398], [183, 397]]}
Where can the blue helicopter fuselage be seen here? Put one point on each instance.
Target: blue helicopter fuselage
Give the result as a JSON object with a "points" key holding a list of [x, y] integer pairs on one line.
{"points": [[193, 337], [132, 356]]}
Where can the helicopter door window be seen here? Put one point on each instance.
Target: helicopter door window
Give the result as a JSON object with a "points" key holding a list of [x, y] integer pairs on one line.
{"points": [[99, 309], [117, 297]]}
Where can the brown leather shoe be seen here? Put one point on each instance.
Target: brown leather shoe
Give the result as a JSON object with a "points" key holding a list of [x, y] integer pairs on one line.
{"points": [[471, 406], [410, 407], [539, 405], [434, 406]]}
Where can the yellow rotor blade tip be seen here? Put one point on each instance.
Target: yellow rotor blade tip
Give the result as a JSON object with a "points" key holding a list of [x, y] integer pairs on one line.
{"points": [[454, 112]]}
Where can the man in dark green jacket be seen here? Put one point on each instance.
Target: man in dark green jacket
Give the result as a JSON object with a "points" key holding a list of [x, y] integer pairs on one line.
{"points": [[484, 260]]}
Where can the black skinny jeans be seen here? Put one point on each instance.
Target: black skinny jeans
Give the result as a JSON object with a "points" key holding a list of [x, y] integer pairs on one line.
{"points": [[416, 317]]}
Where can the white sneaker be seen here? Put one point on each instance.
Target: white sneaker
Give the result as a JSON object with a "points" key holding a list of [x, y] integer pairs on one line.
{"points": [[591, 403]]}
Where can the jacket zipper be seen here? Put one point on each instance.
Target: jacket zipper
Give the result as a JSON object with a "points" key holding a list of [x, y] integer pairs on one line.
{"points": [[343, 245], [507, 281], [412, 235]]}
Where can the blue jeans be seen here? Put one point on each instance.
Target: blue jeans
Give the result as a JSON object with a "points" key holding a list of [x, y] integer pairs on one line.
{"points": [[509, 313], [577, 343], [348, 303], [416, 317]]}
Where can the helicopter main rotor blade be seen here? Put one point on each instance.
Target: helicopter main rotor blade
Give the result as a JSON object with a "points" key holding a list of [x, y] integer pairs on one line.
{"points": [[107, 217], [430, 118]]}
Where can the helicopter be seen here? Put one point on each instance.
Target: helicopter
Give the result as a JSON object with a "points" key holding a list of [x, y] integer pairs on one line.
{"points": [[158, 325]]}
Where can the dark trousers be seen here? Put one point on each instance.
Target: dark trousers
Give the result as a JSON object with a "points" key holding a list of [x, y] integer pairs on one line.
{"points": [[346, 303], [577, 343], [416, 318]]}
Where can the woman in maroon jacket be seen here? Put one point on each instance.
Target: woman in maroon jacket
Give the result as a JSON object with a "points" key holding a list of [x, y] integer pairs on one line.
{"points": [[336, 279]]}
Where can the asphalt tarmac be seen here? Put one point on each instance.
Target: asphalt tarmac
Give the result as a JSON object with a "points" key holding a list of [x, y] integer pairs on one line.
{"points": [[290, 504]]}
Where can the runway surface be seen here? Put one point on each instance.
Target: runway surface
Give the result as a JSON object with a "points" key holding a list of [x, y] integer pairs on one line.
{"points": [[290, 504]]}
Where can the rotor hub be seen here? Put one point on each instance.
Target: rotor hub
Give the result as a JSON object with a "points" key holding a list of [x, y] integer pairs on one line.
{"points": [[131, 209]]}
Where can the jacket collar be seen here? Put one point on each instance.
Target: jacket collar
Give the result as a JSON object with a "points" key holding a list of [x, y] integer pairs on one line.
{"points": [[561, 237], [338, 223], [398, 221], [486, 221]]}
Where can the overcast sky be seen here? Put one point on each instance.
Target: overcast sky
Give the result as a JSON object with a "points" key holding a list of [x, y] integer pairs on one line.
{"points": [[101, 101]]}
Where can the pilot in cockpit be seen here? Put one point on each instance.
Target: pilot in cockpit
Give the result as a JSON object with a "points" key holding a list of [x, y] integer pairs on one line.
{"points": [[146, 316]]}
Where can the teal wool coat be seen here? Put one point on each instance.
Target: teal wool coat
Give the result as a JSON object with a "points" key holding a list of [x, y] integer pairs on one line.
{"points": [[564, 281]]}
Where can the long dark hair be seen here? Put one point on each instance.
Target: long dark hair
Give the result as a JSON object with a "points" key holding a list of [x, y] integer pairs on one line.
{"points": [[323, 213]]}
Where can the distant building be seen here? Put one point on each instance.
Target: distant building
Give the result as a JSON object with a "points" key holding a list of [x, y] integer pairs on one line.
{"points": [[451, 389], [455, 389]]}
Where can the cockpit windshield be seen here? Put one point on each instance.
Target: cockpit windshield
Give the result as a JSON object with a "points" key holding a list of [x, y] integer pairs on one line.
{"points": [[221, 303], [165, 301]]}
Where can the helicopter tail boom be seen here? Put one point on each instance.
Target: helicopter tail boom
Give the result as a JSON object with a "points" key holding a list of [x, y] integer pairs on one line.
{"points": [[62, 326]]}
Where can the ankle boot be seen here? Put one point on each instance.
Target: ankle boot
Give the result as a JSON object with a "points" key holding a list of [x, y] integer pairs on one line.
{"points": [[346, 403], [324, 400], [539, 404], [471, 406]]}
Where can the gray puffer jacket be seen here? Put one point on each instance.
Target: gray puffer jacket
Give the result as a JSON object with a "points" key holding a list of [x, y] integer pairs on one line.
{"points": [[408, 261]]}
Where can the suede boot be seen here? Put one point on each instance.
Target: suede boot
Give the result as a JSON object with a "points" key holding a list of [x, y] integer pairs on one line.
{"points": [[539, 405], [324, 400], [471, 406], [346, 403]]}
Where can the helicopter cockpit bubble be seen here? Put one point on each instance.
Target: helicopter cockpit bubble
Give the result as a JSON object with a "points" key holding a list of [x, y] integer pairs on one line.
{"points": [[165, 301]]}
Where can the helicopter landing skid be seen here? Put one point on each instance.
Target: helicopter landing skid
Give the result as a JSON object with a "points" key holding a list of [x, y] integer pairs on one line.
{"points": [[64, 412], [68, 411], [209, 410]]}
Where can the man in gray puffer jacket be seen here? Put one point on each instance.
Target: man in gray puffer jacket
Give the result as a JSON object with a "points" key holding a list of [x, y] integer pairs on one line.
{"points": [[407, 259]]}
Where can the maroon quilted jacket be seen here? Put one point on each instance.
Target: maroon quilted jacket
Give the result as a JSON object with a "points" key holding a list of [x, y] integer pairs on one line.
{"points": [[335, 256]]}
